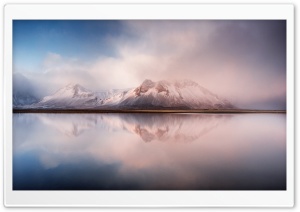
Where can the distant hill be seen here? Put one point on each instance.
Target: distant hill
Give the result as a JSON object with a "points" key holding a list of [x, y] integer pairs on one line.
{"points": [[23, 91]]}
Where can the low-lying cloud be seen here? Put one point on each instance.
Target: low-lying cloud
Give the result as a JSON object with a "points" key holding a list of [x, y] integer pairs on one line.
{"points": [[243, 61]]}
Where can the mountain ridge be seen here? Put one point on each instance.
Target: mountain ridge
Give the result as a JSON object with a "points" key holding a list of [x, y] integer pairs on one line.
{"points": [[180, 94]]}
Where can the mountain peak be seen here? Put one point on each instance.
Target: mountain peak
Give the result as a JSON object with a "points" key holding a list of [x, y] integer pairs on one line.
{"points": [[72, 95], [146, 81], [144, 87]]}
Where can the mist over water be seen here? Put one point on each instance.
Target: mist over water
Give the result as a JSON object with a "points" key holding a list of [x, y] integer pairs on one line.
{"points": [[149, 151]]}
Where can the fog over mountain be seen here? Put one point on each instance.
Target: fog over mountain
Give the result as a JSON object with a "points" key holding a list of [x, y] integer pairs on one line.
{"points": [[243, 61], [24, 93]]}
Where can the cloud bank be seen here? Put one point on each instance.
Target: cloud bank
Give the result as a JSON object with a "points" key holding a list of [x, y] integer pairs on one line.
{"points": [[243, 61]]}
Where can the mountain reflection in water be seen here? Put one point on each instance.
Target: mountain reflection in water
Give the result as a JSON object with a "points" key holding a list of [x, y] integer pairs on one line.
{"points": [[149, 127], [104, 151]]}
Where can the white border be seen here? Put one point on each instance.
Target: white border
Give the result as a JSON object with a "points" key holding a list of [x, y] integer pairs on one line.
{"points": [[147, 198]]}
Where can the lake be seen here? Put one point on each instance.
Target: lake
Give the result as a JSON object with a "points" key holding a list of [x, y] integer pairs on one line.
{"points": [[149, 151]]}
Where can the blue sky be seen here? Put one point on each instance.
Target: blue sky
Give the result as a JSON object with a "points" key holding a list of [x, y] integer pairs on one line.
{"points": [[241, 60], [33, 40]]}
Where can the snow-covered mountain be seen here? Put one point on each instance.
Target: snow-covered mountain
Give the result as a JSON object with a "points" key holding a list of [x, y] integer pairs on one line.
{"points": [[184, 94], [71, 96]]}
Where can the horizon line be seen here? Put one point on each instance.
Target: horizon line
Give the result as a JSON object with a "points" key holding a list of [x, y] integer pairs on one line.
{"points": [[73, 110]]}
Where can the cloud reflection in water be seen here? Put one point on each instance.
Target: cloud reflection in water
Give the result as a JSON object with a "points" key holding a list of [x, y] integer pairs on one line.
{"points": [[178, 151]]}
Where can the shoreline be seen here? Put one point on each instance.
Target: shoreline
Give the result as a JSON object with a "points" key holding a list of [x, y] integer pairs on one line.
{"points": [[141, 111]]}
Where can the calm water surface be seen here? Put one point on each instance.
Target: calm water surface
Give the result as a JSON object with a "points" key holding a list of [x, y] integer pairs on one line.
{"points": [[149, 152]]}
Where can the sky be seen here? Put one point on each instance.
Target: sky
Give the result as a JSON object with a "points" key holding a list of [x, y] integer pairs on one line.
{"points": [[243, 61]]}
